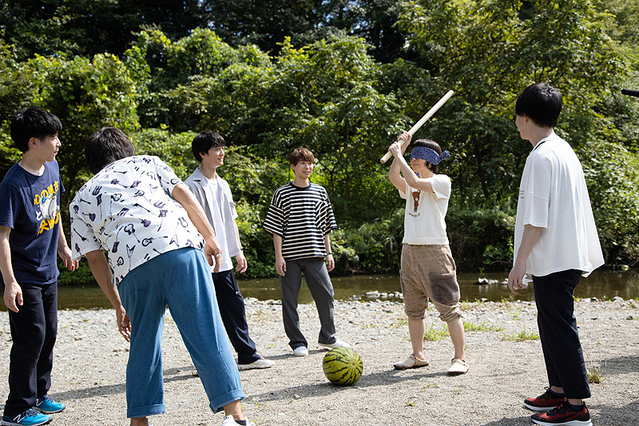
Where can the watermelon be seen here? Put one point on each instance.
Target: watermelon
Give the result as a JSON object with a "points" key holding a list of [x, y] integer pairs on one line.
{"points": [[343, 366]]}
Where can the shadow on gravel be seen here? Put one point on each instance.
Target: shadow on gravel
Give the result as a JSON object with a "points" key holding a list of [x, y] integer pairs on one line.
{"points": [[514, 421], [619, 365], [602, 415], [612, 416], [89, 392], [382, 378], [170, 375]]}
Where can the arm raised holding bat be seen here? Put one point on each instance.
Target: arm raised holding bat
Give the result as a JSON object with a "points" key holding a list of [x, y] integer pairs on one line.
{"points": [[400, 173]]}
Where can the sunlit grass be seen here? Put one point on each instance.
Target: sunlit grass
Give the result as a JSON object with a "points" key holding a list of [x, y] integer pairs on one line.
{"points": [[434, 334], [522, 336], [470, 326], [594, 374]]}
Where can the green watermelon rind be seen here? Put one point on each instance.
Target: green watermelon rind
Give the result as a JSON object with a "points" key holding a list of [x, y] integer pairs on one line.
{"points": [[343, 366]]}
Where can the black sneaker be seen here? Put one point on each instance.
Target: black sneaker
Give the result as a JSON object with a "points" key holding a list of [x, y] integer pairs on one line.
{"points": [[563, 415], [546, 401]]}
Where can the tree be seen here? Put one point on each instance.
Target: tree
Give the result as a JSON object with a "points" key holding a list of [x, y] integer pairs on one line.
{"points": [[487, 51], [85, 95], [90, 27]]}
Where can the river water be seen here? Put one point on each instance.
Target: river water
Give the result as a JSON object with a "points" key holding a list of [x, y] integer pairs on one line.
{"points": [[603, 285]]}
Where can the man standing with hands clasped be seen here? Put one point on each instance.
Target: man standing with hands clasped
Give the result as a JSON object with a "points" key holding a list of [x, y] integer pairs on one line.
{"points": [[300, 218], [556, 242]]}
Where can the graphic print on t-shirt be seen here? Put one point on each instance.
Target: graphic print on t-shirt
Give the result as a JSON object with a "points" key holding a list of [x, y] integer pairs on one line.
{"points": [[415, 195], [47, 211]]}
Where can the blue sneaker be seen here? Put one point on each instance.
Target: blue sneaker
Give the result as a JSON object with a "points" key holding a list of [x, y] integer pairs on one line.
{"points": [[29, 418], [48, 406]]}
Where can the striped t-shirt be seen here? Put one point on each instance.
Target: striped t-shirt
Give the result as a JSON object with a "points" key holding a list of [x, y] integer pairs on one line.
{"points": [[302, 217]]}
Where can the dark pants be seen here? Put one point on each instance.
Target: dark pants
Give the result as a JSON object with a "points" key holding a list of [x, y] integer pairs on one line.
{"points": [[33, 331], [558, 331], [232, 310], [319, 283]]}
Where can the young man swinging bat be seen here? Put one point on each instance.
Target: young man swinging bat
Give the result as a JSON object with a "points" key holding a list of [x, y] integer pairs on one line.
{"points": [[428, 269]]}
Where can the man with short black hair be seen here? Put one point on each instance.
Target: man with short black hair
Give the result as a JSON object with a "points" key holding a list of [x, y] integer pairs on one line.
{"points": [[214, 194], [556, 242], [30, 235]]}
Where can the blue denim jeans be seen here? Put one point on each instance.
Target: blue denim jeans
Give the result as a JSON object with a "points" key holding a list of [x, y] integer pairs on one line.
{"points": [[182, 280]]}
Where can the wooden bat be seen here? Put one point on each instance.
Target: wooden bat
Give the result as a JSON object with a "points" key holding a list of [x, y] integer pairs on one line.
{"points": [[422, 120]]}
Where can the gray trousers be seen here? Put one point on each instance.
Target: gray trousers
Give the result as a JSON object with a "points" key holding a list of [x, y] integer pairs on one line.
{"points": [[319, 283]]}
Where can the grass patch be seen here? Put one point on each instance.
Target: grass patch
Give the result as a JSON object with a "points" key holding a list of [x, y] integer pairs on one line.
{"points": [[594, 374], [399, 323], [469, 305], [433, 334], [470, 326], [522, 336]]}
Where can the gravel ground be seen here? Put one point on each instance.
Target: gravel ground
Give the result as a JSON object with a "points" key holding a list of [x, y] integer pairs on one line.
{"points": [[90, 360]]}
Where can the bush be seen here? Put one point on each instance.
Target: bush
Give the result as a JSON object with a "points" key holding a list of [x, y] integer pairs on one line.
{"points": [[81, 276], [374, 247], [481, 239]]}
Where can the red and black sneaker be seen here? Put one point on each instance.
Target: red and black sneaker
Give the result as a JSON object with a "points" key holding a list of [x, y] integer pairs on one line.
{"points": [[563, 415], [546, 401]]}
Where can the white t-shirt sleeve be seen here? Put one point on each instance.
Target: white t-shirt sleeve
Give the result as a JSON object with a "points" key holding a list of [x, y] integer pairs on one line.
{"points": [[441, 186], [537, 193]]}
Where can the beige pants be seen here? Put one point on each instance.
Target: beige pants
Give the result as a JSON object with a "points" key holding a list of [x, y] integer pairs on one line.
{"points": [[429, 272]]}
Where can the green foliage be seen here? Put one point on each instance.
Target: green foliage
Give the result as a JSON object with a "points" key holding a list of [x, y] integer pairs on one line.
{"points": [[306, 83], [480, 239], [80, 276], [90, 27], [613, 177], [173, 149], [373, 247]]}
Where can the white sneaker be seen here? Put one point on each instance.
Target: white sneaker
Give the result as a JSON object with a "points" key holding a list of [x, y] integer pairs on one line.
{"points": [[336, 344], [457, 367], [300, 351], [230, 421], [260, 363]]}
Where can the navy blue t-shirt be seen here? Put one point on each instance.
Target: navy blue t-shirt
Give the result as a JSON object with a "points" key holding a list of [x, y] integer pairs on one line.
{"points": [[30, 206]]}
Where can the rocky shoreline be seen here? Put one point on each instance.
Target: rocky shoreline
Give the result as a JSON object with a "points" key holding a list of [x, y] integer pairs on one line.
{"points": [[504, 357]]}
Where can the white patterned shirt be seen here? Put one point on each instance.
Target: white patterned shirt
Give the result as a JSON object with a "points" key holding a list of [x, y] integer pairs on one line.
{"points": [[127, 209]]}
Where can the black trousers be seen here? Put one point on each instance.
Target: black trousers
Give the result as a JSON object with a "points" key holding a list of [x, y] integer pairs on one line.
{"points": [[33, 331], [558, 331], [233, 313]]}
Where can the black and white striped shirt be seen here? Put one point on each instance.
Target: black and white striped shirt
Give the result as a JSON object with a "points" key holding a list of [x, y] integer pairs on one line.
{"points": [[302, 217]]}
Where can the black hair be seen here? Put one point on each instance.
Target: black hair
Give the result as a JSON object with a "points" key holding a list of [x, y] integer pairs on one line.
{"points": [[541, 103], [105, 146], [432, 145], [33, 122], [204, 142]]}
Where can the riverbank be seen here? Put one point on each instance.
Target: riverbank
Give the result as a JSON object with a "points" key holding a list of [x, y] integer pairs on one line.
{"points": [[90, 360]]}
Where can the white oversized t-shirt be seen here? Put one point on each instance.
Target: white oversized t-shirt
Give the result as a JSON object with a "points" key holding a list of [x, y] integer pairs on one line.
{"points": [[553, 195], [425, 213]]}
